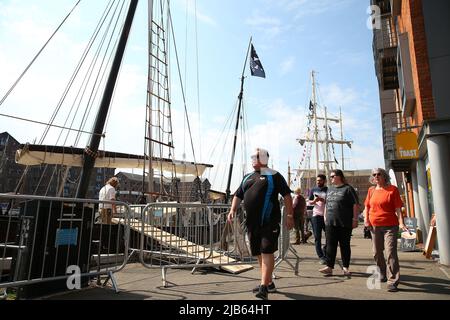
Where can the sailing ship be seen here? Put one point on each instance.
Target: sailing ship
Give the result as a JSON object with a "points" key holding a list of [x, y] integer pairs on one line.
{"points": [[157, 161], [322, 141], [68, 234]]}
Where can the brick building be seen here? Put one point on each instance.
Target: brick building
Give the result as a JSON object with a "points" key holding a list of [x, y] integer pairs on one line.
{"points": [[358, 179], [412, 61], [130, 188], [10, 172], [44, 179]]}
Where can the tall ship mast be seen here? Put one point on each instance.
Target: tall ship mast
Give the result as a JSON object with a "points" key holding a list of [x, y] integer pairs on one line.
{"points": [[321, 140]]}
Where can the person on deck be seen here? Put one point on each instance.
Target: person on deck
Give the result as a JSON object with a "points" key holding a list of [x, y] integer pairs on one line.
{"points": [[108, 193]]}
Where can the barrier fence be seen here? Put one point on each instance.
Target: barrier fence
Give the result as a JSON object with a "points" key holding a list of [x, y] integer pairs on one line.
{"points": [[44, 241], [42, 238]]}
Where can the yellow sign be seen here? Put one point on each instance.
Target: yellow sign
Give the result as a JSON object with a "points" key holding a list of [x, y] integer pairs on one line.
{"points": [[406, 145]]}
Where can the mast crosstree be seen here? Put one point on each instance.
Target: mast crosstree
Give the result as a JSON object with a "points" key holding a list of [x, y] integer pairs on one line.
{"points": [[327, 141]]}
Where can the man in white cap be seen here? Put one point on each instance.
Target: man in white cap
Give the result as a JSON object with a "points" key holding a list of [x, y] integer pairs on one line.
{"points": [[260, 190]]}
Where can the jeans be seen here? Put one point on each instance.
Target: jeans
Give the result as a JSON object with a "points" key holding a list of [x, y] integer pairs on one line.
{"points": [[342, 236], [318, 225]]}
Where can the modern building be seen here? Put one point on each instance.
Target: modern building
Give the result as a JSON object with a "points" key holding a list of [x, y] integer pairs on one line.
{"points": [[412, 61]]}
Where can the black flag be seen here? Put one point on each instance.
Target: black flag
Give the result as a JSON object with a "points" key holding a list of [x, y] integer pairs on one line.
{"points": [[256, 67]]}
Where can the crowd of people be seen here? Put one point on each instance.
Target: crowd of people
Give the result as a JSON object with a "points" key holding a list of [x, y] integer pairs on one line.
{"points": [[335, 211]]}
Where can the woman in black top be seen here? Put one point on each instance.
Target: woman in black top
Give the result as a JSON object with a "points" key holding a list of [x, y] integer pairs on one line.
{"points": [[341, 216]]}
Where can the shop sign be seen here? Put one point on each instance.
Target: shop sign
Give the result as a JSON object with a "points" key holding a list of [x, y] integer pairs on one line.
{"points": [[406, 145]]}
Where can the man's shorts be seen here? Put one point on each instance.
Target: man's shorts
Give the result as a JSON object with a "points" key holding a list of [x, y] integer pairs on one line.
{"points": [[264, 239]]}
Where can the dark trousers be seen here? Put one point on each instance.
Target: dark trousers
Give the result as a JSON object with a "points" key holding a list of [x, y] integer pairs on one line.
{"points": [[299, 225], [341, 236], [318, 225]]}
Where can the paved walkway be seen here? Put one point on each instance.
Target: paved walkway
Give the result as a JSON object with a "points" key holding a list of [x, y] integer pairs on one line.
{"points": [[421, 279]]}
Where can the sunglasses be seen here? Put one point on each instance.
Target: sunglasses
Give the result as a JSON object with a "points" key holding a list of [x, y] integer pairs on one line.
{"points": [[376, 175], [332, 177]]}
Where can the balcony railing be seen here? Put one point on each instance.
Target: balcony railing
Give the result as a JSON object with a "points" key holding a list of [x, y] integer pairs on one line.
{"points": [[385, 43], [394, 123]]}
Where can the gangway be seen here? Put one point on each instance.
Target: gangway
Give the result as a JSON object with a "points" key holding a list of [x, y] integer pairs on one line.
{"points": [[189, 248]]}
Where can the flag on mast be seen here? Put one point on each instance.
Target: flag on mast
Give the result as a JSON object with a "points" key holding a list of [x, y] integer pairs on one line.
{"points": [[256, 67]]}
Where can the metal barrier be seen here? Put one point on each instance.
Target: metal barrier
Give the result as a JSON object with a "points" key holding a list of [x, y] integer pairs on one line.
{"points": [[47, 242], [284, 246], [175, 235], [42, 238], [192, 235]]}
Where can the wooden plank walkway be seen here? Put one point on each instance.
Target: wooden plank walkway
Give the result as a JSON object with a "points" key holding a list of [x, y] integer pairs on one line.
{"points": [[190, 248]]}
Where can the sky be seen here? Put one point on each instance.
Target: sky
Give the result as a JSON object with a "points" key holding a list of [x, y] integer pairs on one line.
{"points": [[291, 37]]}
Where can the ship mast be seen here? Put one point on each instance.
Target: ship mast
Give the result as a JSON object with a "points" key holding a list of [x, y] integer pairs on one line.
{"points": [[233, 153], [91, 151], [328, 139], [316, 129]]}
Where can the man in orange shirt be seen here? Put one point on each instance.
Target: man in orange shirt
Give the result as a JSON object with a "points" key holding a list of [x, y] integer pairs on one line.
{"points": [[383, 216]]}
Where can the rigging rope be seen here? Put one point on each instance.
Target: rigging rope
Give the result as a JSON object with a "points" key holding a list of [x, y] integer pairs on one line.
{"points": [[45, 123], [37, 55], [183, 92]]}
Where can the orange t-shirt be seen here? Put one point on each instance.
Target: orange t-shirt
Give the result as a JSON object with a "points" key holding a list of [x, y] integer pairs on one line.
{"points": [[382, 204]]}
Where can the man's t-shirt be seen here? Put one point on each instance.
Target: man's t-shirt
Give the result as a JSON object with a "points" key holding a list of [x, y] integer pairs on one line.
{"points": [[319, 207], [260, 190], [382, 204], [340, 201], [107, 193]]}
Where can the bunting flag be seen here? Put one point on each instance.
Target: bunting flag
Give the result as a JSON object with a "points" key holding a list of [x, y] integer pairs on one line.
{"points": [[256, 67]]}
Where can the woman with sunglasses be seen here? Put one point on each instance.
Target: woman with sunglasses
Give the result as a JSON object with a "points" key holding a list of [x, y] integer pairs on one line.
{"points": [[383, 216], [341, 217]]}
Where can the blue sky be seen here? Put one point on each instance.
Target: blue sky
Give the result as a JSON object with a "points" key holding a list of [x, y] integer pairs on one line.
{"points": [[291, 37]]}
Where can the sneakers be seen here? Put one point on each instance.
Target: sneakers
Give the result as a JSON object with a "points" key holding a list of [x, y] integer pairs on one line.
{"points": [[263, 293], [346, 272], [392, 288], [270, 288], [327, 271], [323, 261]]}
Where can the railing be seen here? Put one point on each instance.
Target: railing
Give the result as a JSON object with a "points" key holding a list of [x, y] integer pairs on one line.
{"points": [[191, 235], [43, 240], [58, 240], [392, 123], [385, 43]]}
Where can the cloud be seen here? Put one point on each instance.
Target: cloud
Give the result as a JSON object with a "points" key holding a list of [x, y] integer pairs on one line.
{"points": [[268, 26], [287, 65], [196, 12], [306, 8], [335, 94]]}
